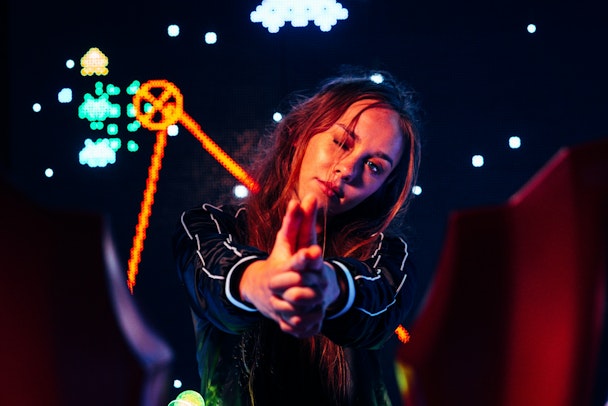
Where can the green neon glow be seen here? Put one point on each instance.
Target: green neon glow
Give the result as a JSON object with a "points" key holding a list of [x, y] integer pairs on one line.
{"points": [[134, 126], [96, 125], [98, 109], [112, 129], [98, 88], [114, 143], [132, 146], [130, 110], [99, 153], [133, 87], [112, 90], [191, 398]]}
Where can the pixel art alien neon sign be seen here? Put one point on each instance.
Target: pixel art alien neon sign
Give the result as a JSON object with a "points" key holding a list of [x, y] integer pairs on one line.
{"points": [[273, 14]]}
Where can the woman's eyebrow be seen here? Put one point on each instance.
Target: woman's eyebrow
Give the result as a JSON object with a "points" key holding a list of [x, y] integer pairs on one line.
{"points": [[350, 132], [353, 135]]}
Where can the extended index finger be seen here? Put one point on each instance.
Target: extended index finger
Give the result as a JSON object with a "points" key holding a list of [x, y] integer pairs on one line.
{"points": [[307, 235], [287, 237]]}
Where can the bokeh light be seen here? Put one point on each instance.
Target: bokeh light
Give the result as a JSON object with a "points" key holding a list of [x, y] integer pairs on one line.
{"points": [[240, 191], [514, 142], [477, 161], [173, 30], [211, 38]]}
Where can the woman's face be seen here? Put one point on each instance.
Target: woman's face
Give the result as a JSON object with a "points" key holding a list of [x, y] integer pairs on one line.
{"points": [[341, 168]]}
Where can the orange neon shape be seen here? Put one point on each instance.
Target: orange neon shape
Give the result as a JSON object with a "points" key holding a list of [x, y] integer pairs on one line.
{"points": [[146, 207], [167, 109], [94, 62], [402, 334]]}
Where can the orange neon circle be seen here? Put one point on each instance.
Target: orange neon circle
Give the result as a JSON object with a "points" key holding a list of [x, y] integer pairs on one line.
{"points": [[167, 108]]}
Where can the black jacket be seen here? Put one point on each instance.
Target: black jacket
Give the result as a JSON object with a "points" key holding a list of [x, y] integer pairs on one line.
{"points": [[211, 256]]}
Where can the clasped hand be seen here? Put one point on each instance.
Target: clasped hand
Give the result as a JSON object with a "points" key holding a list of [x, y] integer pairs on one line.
{"points": [[293, 286]]}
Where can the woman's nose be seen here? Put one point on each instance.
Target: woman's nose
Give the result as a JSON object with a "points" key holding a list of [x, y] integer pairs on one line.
{"points": [[347, 168]]}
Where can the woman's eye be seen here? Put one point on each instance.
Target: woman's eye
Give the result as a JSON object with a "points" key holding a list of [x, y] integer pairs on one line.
{"points": [[376, 169], [341, 143]]}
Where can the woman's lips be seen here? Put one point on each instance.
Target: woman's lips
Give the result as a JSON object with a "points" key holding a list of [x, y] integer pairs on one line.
{"points": [[333, 192]]}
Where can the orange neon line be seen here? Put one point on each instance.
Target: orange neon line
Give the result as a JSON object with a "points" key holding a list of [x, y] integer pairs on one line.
{"points": [[218, 153], [146, 207], [171, 113]]}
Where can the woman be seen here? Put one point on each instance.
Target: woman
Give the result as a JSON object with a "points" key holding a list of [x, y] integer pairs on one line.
{"points": [[295, 291]]}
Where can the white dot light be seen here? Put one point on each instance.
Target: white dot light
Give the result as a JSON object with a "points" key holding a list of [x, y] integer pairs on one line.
{"points": [[65, 95], [69, 64], [173, 30], [36, 107], [531, 28], [377, 78], [477, 161], [177, 383], [48, 173], [277, 116], [514, 142], [173, 130], [210, 38], [417, 190], [240, 191]]}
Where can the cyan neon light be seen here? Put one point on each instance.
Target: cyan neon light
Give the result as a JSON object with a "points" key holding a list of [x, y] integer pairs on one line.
{"points": [[65, 95], [99, 153], [98, 108]]}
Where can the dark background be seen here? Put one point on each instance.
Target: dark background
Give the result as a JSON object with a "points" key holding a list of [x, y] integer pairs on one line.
{"points": [[479, 75]]}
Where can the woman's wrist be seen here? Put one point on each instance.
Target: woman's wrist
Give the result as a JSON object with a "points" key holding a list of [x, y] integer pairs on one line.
{"points": [[234, 284], [246, 280], [341, 296], [346, 296]]}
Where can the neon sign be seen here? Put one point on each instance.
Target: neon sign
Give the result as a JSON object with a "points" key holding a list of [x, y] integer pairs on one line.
{"points": [[273, 14], [158, 113]]}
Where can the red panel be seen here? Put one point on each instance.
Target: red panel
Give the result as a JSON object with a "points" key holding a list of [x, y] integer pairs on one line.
{"points": [[61, 344], [514, 315]]}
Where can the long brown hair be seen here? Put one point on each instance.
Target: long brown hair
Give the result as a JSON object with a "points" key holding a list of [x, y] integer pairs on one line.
{"points": [[352, 233]]}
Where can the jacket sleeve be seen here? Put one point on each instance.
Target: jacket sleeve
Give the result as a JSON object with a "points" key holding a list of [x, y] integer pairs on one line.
{"points": [[377, 295], [210, 263]]}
